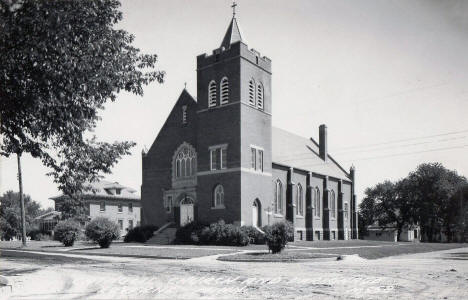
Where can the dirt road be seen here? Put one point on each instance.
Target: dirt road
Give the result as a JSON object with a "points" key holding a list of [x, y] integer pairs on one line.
{"points": [[434, 275]]}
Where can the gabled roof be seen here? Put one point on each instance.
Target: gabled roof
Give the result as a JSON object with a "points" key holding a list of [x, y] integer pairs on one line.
{"points": [[299, 152], [233, 34], [107, 189], [49, 215]]}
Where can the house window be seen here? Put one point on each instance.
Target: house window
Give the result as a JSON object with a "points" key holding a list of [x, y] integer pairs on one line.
{"points": [[102, 206], [130, 224], [168, 204], [218, 196], [212, 94], [184, 114], [278, 201], [120, 207], [346, 210], [256, 159], [260, 96], [252, 92], [130, 207], [299, 201], [121, 224], [185, 164], [218, 157], [118, 191], [317, 202], [224, 91], [333, 204]]}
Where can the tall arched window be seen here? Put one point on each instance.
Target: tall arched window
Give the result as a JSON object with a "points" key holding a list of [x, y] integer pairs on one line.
{"points": [[252, 92], [278, 204], [299, 201], [218, 196], [332, 204], [317, 202], [260, 96], [185, 162], [212, 94], [224, 91]]}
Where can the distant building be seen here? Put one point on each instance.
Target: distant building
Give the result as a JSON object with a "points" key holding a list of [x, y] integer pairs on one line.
{"points": [[219, 157], [379, 233], [46, 222], [112, 200]]}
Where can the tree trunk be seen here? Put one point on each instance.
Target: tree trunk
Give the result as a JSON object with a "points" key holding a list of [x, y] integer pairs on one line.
{"points": [[23, 214]]}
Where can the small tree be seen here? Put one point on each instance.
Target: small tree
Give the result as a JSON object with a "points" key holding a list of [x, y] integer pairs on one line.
{"points": [[67, 232], [278, 235], [102, 231]]}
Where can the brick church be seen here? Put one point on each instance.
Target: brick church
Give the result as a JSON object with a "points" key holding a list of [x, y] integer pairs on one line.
{"points": [[219, 157]]}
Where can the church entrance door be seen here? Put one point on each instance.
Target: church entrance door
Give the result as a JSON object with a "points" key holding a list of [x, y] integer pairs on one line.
{"points": [[186, 211]]}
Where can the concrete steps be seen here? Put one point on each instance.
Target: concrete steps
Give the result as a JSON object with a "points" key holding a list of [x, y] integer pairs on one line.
{"points": [[164, 236]]}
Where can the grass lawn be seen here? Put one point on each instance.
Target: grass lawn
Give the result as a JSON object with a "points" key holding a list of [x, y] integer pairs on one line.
{"points": [[365, 249]]}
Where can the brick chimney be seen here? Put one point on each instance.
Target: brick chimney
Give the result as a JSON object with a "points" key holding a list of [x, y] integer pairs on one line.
{"points": [[323, 144]]}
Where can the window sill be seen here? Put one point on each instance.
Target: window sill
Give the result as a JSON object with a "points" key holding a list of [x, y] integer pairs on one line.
{"points": [[218, 207], [278, 215], [299, 217]]}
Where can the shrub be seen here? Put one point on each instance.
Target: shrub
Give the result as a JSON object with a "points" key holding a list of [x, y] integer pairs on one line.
{"points": [[278, 235], [255, 235], [67, 232], [223, 234], [189, 233], [140, 234], [102, 231]]}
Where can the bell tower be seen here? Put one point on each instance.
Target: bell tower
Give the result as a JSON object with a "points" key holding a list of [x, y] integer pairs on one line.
{"points": [[234, 116]]}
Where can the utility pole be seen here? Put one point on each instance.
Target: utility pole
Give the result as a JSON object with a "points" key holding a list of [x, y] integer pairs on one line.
{"points": [[23, 216]]}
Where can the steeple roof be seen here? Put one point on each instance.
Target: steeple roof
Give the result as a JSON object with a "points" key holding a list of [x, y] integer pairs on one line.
{"points": [[233, 34]]}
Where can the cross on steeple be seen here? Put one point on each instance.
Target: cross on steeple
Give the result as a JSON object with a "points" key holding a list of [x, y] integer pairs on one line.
{"points": [[234, 4]]}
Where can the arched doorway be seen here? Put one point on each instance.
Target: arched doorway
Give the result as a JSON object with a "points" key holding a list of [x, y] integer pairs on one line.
{"points": [[186, 210], [256, 213]]}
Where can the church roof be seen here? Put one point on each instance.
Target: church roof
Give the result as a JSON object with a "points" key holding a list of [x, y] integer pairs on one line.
{"points": [[233, 34], [299, 152]]}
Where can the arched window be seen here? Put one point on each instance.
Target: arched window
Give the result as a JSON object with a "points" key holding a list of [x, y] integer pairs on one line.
{"points": [[224, 91], [332, 204], [218, 196], [212, 94], [185, 162], [317, 202], [260, 96], [278, 204], [252, 92], [299, 201]]}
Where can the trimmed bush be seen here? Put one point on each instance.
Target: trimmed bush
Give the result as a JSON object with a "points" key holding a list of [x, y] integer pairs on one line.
{"points": [[140, 234], [67, 232], [102, 231], [189, 233], [278, 235], [255, 236], [223, 234]]}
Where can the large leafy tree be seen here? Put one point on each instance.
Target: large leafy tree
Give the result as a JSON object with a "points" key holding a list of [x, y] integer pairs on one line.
{"points": [[60, 62], [10, 214], [431, 190]]}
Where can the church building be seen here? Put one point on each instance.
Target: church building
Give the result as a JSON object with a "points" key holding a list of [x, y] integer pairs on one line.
{"points": [[219, 157]]}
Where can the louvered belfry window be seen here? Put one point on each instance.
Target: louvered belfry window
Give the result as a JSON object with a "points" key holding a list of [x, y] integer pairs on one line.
{"points": [[252, 92], [224, 91], [212, 94], [260, 96]]}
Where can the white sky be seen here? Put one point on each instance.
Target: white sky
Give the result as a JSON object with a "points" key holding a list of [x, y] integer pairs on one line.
{"points": [[375, 72]]}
